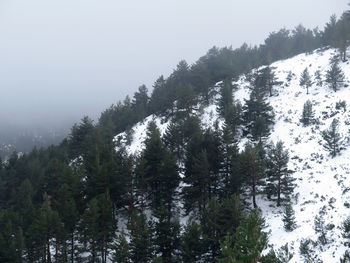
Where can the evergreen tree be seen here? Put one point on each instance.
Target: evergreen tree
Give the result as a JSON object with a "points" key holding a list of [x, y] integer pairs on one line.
{"points": [[307, 116], [289, 218], [343, 34], [231, 180], [140, 103], [305, 80], [251, 168], [11, 237], [140, 242], [159, 170], [166, 232], [211, 230], [318, 78], [248, 244], [320, 228], [191, 243], [334, 76], [89, 230], [121, 252], [333, 140], [196, 191], [44, 229], [258, 114], [225, 102], [279, 179], [346, 257], [69, 216]]}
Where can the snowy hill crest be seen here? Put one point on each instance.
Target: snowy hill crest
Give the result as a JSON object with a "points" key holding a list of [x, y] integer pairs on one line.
{"points": [[323, 183]]}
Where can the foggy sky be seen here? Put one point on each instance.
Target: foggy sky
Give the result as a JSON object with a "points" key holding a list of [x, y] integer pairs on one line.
{"points": [[62, 59]]}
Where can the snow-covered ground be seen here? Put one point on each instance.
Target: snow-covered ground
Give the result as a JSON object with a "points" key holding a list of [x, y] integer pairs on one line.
{"points": [[322, 182]]}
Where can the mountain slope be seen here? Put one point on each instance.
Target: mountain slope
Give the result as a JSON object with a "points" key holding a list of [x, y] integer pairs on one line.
{"points": [[322, 182]]}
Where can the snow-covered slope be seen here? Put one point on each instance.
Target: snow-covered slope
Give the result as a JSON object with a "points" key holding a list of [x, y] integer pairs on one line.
{"points": [[323, 183]]}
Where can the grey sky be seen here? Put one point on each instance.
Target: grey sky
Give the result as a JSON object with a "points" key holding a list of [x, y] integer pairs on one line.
{"points": [[61, 59]]}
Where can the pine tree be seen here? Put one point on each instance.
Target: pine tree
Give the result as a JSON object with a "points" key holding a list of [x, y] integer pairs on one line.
{"points": [[44, 228], [343, 34], [158, 169], [166, 232], [89, 230], [248, 243], [191, 246], [69, 216], [121, 252], [289, 218], [225, 102], [333, 140], [307, 116], [230, 183], [258, 114], [320, 228], [318, 78], [334, 76], [196, 192], [251, 169], [211, 230], [140, 241], [346, 257], [305, 80], [279, 179]]}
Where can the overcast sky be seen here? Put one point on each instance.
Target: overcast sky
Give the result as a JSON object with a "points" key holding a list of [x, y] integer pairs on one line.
{"points": [[62, 59]]}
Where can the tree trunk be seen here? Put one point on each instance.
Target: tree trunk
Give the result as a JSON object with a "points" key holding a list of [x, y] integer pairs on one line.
{"points": [[72, 247], [254, 201], [279, 191]]}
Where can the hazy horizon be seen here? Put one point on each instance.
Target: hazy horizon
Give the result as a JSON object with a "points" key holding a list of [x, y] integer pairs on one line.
{"points": [[61, 60]]}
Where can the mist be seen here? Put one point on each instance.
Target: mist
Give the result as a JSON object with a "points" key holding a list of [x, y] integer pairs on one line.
{"points": [[63, 59]]}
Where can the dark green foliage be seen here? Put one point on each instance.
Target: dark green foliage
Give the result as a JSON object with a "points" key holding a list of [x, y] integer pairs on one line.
{"points": [[218, 220], [346, 231], [121, 252], [157, 170], [320, 228], [191, 245], [305, 80], [280, 183], [343, 34], [140, 103], [307, 116], [346, 257], [196, 193], [69, 216], [248, 243], [11, 237], [289, 218], [166, 234], [305, 250], [98, 228], [44, 228], [258, 114], [270, 257], [140, 240], [341, 105], [333, 140], [252, 170], [334, 76], [79, 142], [318, 78]]}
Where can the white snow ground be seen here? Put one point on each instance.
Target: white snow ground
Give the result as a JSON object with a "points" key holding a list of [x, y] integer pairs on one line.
{"points": [[322, 181]]}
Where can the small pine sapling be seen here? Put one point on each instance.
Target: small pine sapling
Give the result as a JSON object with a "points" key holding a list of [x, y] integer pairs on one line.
{"points": [[289, 218]]}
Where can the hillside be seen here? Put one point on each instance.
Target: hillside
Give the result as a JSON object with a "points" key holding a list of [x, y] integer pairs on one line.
{"points": [[322, 182]]}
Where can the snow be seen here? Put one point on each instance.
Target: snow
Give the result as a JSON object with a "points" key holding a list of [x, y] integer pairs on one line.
{"points": [[322, 182]]}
